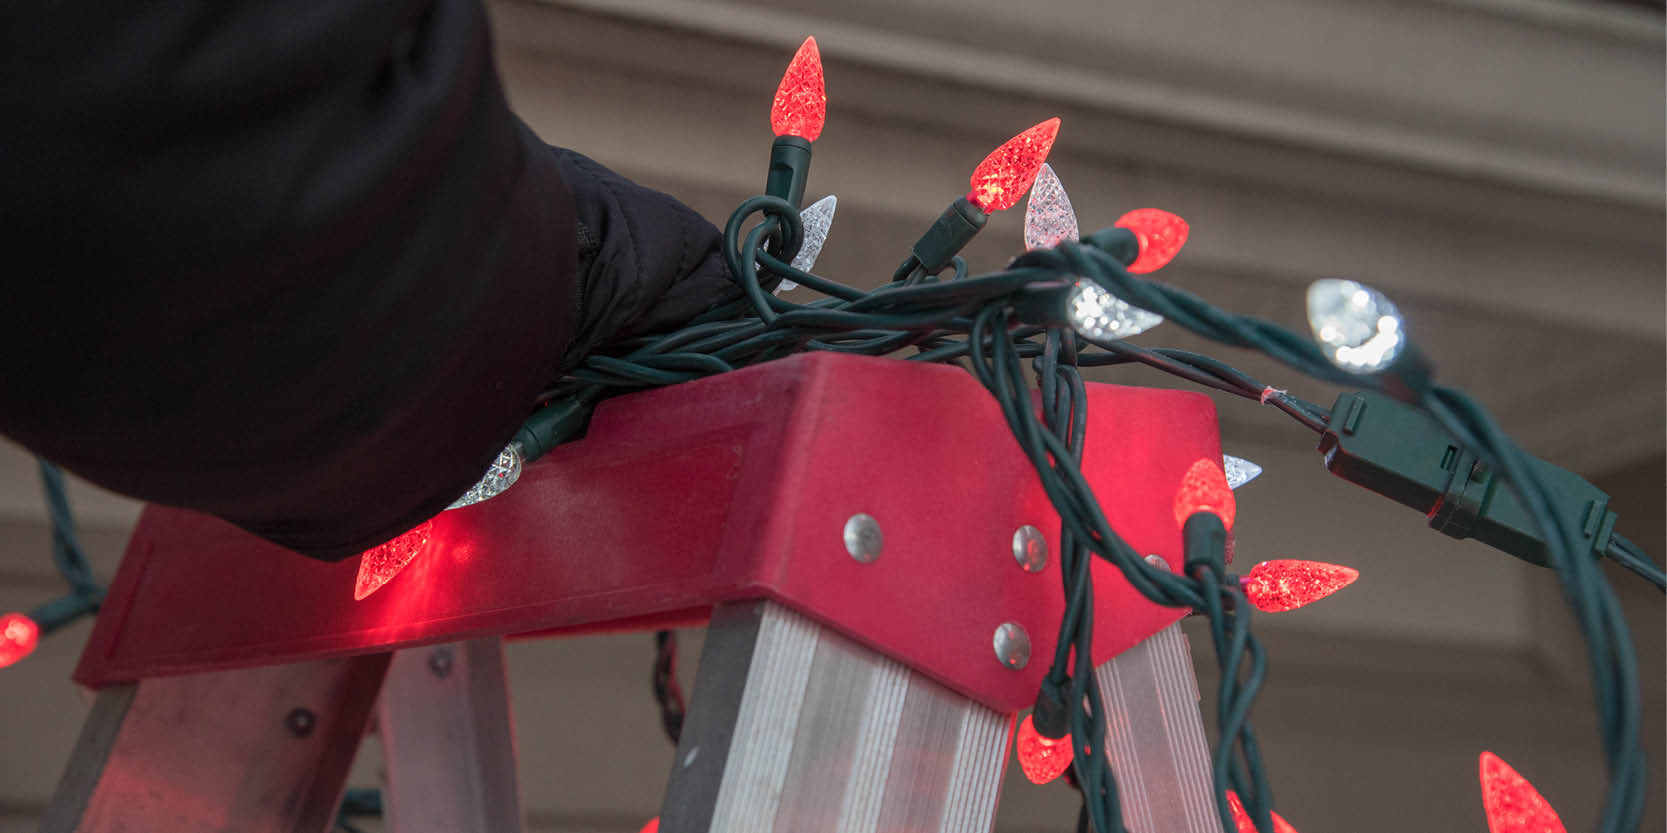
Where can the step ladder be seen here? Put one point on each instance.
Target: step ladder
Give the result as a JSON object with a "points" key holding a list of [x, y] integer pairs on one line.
{"points": [[861, 536]]}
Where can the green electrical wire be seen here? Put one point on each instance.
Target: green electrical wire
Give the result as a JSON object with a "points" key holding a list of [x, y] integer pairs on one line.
{"points": [[67, 555], [1628, 555], [68, 558]]}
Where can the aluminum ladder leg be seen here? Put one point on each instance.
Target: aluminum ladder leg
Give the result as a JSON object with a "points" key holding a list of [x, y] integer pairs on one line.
{"points": [[793, 727], [256, 750], [267, 750], [448, 741]]}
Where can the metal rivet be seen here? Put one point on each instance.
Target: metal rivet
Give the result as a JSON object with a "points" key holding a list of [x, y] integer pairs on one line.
{"points": [[1157, 561], [300, 722], [862, 537], [1030, 549], [1012, 645], [440, 662]]}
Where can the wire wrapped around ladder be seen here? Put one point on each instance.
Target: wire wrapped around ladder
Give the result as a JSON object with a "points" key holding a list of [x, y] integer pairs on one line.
{"points": [[667, 692]]}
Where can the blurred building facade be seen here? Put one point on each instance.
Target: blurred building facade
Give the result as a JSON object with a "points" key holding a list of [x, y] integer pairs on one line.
{"points": [[1495, 165]]}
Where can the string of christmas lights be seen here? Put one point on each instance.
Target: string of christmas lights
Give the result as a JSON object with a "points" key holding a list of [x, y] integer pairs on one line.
{"points": [[20, 633], [1065, 304], [1052, 305]]}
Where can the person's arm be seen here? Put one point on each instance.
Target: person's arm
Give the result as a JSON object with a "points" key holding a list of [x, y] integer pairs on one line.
{"points": [[297, 265]]}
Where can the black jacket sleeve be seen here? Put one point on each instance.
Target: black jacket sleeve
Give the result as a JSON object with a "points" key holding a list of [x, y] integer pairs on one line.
{"points": [[293, 264]]}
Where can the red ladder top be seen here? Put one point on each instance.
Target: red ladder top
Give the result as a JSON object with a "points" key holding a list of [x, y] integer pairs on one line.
{"points": [[729, 488]]}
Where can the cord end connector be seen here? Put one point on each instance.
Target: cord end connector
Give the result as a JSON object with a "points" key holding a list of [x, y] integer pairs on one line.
{"points": [[1405, 455]]}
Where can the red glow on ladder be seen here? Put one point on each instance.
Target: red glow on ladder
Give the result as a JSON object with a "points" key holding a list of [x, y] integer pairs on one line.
{"points": [[379, 564], [1241, 819], [801, 100], [18, 637], [1042, 758], [1001, 180], [1204, 489], [1288, 583], [1511, 803], [1161, 235]]}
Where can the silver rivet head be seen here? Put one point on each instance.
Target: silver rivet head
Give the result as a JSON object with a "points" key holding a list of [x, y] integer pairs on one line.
{"points": [[300, 721], [862, 537], [440, 662], [1157, 561], [1012, 645], [1030, 549]]}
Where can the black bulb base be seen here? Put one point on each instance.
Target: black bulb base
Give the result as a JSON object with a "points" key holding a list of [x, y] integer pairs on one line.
{"points": [[789, 169], [949, 234]]}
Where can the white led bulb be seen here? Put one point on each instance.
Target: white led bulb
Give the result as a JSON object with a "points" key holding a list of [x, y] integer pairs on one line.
{"points": [[501, 475], [1098, 315], [1239, 470], [817, 219], [1049, 218], [1092, 311], [1357, 327]]}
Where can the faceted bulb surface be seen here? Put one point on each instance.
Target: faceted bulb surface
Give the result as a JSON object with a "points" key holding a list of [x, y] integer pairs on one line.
{"points": [[379, 564], [1288, 583], [1204, 489], [801, 104], [1161, 235], [1001, 180], [501, 475], [1099, 315], [18, 637], [1357, 327], [817, 219], [1042, 758], [1241, 818], [1049, 218], [1239, 470], [1511, 803]]}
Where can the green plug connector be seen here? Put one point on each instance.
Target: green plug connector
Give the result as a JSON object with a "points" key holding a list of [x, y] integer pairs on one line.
{"points": [[1403, 454]]}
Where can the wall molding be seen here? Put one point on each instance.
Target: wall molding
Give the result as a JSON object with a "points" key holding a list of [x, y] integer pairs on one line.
{"points": [[1170, 93]]}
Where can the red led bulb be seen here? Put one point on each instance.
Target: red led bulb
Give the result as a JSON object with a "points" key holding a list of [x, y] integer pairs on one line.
{"points": [[1204, 489], [1001, 180], [653, 826], [802, 100], [1042, 758], [1288, 583], [1241, 819], [1511, 803], [379, 564], [1161, 236], [18, 637]]}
